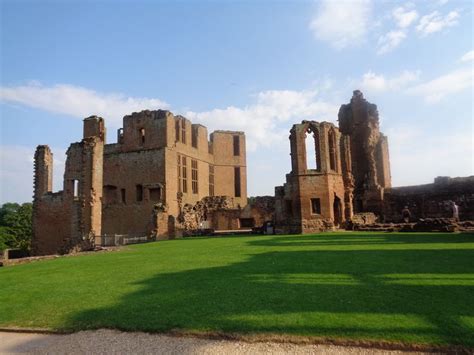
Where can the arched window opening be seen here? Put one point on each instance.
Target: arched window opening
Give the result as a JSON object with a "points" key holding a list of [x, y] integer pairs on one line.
{"points": [[313, 161], [332, 150]]}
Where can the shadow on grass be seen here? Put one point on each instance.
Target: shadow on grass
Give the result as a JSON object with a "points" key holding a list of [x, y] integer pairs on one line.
{"points": [[413, 296]]}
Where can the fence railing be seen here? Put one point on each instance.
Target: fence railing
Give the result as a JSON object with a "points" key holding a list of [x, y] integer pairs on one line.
{"points": [[118, 239]]}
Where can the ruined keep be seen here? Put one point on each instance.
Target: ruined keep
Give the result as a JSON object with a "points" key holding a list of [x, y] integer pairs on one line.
{"points": [[161, 166], [367, 156], [351, 174]]}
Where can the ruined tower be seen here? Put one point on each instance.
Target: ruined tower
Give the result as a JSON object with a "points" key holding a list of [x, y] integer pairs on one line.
{"points": [[70, 219], [312, 198], [367, 151]]}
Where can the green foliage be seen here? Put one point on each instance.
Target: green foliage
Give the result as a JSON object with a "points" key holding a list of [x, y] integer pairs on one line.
{"points": [[16, 226], [411, 288]]}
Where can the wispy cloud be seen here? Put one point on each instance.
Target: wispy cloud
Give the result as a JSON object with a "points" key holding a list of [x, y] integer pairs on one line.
{"points": [[261, 120], [342, 23], [436, 89], [468, 57], [373, 82], [78, 101], [435, 22], [390, 41], [404, 16]]}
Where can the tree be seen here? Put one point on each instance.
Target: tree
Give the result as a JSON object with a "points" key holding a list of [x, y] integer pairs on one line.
{"points": [[16, 226]]}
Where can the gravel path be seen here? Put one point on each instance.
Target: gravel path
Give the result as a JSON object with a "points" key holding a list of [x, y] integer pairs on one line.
{"points": [[111, 341]]}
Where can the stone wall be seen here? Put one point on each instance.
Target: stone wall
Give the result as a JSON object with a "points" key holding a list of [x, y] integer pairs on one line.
{"points": [[431, 200]]}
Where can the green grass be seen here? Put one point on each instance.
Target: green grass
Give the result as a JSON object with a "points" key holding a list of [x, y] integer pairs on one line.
{"points": [[411, 288]]}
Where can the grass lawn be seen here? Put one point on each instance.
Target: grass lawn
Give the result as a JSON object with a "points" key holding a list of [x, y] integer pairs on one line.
{"points": [[411, 288]]}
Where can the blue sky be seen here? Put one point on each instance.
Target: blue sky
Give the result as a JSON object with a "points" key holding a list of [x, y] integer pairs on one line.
{"points": [[253, 66]]}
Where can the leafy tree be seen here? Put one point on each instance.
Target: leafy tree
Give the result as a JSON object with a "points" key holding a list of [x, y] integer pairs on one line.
{"points": [[16, 226]]}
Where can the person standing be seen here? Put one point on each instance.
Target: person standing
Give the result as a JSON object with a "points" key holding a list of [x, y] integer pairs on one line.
{"points": [[406, 214]]}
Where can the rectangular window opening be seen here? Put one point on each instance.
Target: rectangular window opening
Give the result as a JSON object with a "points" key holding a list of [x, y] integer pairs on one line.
{"points": [[316, 206], [194, 176], [211, 180], [142, 135], [237, 189], [155, 194], [183, 131], [180, 178], [236, 146], [76, 188], [185, 175], [194, 137]]}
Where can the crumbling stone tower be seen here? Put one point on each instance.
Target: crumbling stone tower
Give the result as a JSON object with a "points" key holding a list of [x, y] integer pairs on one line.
{"points": [[312, 198], [367, 151], [70, 219]]}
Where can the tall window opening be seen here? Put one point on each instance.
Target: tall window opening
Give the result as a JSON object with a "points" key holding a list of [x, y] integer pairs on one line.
{"points": [[185, 175], [142, 135], [194, 176], [122, 196], [332, 150], [194, 137], [237, 190], [211, 180], [76, 188], [139, 192], [183, 131], [313, 159], [236, 146], [315, 206], [177, 129], [180, 176]]}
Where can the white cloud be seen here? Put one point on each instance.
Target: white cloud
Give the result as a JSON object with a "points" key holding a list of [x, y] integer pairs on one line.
{"points": [[373, 82], [404, 17], [342, 23], [390, 41], [16, 172], [468, 57], [448, 84], [260, 121], [435, 22], [77, 101]]}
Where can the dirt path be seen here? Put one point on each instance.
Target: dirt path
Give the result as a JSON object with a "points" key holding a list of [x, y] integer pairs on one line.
{"points": [[111, 341]]}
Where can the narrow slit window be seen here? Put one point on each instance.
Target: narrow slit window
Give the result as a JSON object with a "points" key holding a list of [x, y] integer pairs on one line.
{"points": [[123, 196], [237, 188], [76, 188], [142, 135], [236, 146]]}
